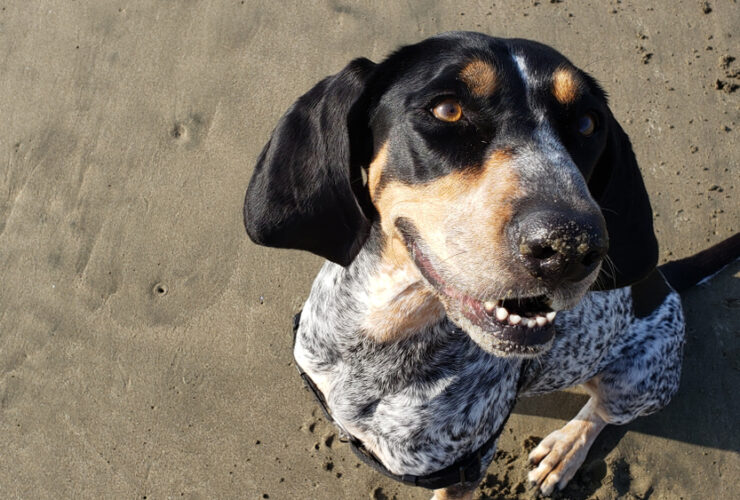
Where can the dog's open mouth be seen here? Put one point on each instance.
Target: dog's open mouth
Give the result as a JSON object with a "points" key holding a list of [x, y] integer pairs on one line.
{"points": [[512, 326], [521, 325]]}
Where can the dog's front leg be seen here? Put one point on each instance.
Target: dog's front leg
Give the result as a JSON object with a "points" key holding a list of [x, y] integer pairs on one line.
{"points": [[562, 452]]}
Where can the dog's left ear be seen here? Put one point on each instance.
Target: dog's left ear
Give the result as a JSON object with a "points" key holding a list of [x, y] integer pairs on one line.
{"points": [[307, 191], [617, 186]]}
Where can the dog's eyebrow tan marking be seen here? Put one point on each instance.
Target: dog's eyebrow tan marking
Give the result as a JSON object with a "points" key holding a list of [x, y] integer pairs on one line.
{"points": [[480, 77], [567, 85]]}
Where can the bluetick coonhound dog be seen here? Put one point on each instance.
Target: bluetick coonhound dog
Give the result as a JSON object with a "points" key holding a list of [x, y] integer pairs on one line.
{"points": [[488, 235]]}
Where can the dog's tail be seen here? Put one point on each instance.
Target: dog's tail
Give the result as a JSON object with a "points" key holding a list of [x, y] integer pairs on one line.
{"points": [[685, 273]]}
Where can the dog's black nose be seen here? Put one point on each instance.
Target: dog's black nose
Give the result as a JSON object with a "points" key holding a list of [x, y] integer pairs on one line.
{"points": [[559, 245]]}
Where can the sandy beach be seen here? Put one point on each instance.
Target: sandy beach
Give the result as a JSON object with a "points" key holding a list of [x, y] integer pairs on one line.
{"points": [[145, 342]]}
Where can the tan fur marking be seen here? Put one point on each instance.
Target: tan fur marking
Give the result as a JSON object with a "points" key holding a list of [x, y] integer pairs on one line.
{"points": [[400, 308], [452, 493], [566, 85], [375, 169], [481, 198], [480, 77], [476, 203], [399, 303]]}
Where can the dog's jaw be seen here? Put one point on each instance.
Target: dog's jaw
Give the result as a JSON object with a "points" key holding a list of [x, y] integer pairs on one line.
{"points": [[405, 296], [488, 324]]}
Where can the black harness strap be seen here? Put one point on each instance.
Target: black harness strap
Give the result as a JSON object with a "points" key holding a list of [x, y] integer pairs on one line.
{"points": [[466, 470]]}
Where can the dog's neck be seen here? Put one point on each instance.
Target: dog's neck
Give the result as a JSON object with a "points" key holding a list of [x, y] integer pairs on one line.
{"points": [[380, 295], [399, 302]]}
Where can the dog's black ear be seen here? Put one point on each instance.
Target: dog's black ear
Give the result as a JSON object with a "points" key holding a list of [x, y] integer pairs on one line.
{"points": [[307, 191], [617, 185]]}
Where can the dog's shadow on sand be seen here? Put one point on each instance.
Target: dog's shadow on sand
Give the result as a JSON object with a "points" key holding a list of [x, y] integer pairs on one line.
{"points": [[703, 412]]}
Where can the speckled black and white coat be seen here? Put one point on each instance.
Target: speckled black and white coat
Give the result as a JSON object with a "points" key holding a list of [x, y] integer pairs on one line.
{"points": [[422, 402]]}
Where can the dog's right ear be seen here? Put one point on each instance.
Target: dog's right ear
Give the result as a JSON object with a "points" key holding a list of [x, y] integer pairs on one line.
{"points": [[617, 186], [307, 191]]}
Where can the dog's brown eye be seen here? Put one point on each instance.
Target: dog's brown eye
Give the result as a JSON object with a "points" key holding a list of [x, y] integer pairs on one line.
{"points": [[587, 124], [448, 110]]}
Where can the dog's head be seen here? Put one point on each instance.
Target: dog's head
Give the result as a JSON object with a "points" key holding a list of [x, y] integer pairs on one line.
{"points": [[495, 165]]}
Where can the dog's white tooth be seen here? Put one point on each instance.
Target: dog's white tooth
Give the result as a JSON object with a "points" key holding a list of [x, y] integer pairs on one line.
{"points": [[531, 322], [550, 316], [541, 320], [501, 313], [489, 306], [515, 319]]}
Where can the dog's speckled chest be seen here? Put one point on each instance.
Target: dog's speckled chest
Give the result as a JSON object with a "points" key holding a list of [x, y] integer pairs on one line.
{"points": [[423, 401]]}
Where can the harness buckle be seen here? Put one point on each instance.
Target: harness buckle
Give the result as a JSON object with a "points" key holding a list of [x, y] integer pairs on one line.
{"points": [[462, 475]]}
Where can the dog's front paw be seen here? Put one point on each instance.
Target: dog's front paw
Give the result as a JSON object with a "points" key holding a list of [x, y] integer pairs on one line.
{"points": [[561, 453]]}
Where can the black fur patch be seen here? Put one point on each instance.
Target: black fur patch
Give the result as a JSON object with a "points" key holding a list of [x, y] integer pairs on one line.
{"points": [[648, 294]]}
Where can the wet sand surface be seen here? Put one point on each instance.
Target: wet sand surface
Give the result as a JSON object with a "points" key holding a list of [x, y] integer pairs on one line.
{"points": [[145, 344]]}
